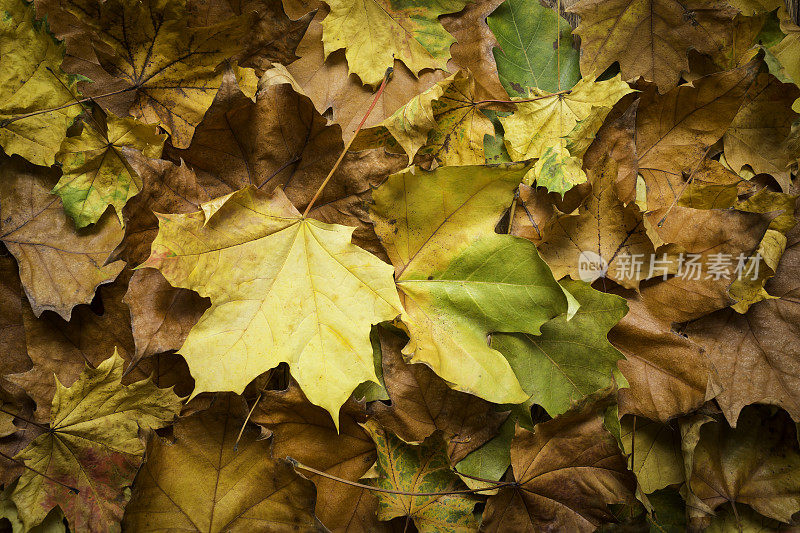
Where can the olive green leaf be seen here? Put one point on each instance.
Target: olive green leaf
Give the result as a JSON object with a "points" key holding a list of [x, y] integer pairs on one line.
{"points": [[530, 55], [572, 357]]}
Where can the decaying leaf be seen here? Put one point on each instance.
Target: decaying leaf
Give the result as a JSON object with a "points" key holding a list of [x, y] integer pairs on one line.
{"points": [[422, 403], [59, 267], [306, 433], [211, 479], [93, 447], [649, 38], [132, 60], [569, 469], [278, 284]]}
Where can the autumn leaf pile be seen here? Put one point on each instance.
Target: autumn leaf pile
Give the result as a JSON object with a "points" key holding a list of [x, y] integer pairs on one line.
{"points": [[210, 321]]}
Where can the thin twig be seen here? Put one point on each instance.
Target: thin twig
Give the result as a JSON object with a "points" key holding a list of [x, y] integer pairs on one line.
{"points": [[523, 100], [350, 142], [300, 465]]}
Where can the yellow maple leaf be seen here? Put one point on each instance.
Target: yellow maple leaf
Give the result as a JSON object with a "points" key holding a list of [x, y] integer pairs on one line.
{"points": [[283, 288]]}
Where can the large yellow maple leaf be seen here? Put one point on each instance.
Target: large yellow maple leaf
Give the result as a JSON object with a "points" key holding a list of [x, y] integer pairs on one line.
{"points": [[283, 288]]}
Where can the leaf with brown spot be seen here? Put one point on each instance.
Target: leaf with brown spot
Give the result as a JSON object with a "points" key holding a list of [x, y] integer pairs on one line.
{"points": [[93, 446], [144, 53], [60, 267]]}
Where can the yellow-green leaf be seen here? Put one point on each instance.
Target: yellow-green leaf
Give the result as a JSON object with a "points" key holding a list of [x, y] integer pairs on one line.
{"points": [[93, 446], [96, 172], [375, 32], [32, 86], [458, 279], [283, 288], [558, 130]]}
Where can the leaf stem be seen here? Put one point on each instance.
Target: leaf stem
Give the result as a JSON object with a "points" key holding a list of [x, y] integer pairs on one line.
{"points": [[484, 480], [6, 122], [350, 142], [685, 185], [523, 100], [54, 480], [300, 465]]}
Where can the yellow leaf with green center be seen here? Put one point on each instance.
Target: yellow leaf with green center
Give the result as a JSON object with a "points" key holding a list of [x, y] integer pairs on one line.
{"points": [[444, 124], [95, 167], [159, 69], [283, 288], [376, 32], [93, 445], [31, 83], [558, 130], [423, 468], [458, 279]]}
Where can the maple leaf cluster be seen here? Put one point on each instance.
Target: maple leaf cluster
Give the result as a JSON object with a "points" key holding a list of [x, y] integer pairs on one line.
{"points": [[371, 265]]}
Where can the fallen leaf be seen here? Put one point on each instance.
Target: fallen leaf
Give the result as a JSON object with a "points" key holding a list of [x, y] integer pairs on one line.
{"points": [[443, 125], [410, 33], [279, 284], [272, 35], [59, 266], [754, 464], [605, 228], [423, 403], [568, 469], [473, 47], [132, 60], [649, 38], [571, 358], [282, 141], [161, 315], [528, 57], [12, 332], [306, 433], [675, 131], [655, 451], [759, 133], [755, 363], [166, 188], [558, 128], [93, 446], [209, 479], [667, 374], [96, 171], [420, 469], [36, 94], [438, 229], [787, 51]]}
